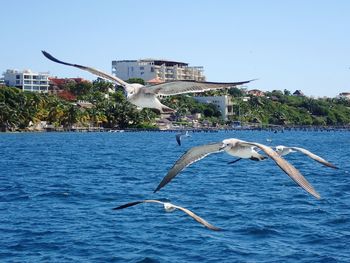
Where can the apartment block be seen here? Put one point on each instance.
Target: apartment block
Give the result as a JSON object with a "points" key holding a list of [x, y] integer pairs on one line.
{"points": [[344, 95], [27, 80], [223, 103], [152, 69]]}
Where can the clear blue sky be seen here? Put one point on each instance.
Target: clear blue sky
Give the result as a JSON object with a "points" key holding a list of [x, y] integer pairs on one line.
{"points": [[285, 44]]}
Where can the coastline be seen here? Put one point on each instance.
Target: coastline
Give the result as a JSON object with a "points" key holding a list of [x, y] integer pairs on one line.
{"points": [[271, 128]]}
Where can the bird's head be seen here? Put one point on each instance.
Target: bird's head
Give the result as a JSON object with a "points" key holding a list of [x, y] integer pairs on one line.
{"points": [[279, 148], [131, 89], [169, 207], [228, 143]]}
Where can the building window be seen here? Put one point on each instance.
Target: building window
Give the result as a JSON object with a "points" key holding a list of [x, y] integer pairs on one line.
{"points": [[26, 77], [142, 68], [18, 76]]}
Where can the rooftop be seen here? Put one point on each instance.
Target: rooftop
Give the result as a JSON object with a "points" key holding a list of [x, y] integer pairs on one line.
{"points": [[157, 62]]}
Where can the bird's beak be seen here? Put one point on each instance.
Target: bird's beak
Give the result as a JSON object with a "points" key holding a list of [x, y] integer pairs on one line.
{"points": [[223, 146], [125, 93]]}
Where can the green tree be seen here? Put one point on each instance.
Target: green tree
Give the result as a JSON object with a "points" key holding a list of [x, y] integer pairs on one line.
{"points": [[72, 115], [286, 92], [136, 80], [102, 85], [236, 92], [79, 89]]}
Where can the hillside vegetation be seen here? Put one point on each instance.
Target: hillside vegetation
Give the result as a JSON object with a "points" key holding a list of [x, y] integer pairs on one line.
{"points": [[18, 109]]}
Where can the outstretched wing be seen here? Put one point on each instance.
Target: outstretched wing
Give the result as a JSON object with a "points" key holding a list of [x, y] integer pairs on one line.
{"points": [[128, 205], [190, 213], [188, 86], [91, 70], [192, 155], [136, 203], [178, 139], [314, 156], [197, 218], [287, 168]]}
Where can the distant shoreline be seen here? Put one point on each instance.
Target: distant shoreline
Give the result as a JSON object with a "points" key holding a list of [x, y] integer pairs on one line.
{"points": [[273, 128]]}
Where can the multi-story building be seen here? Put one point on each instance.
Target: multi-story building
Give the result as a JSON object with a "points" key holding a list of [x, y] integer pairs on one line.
{"points": [[344, 95], [223, 103], [149, 69], [27, 80]]}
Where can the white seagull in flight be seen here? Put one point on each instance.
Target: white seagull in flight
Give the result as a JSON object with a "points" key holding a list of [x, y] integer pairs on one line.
{"points": [[180, 135], [146, 97], [284, 150], [241, 149], [169, 207]]}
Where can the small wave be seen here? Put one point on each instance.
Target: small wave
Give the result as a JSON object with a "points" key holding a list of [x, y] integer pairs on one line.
{"points": [[339, 220], [14, 198], [259, 231], [147, 260]]}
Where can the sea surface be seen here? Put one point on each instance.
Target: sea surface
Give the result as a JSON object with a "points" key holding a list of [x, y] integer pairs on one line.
{"points": [[57, 192]]}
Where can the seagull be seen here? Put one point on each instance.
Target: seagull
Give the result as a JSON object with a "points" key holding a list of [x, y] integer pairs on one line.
{"points": [[180, 135], [147, 97], [284, 150], [241, 149], [169, 207]]}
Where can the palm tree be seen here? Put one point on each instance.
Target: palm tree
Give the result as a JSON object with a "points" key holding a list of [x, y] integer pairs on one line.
{"points": [[8, 117], [56, 113], [72, 115], [96, 116]]}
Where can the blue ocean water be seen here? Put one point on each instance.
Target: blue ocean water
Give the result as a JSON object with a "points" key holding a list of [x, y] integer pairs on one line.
{"points": [[57, 191]]}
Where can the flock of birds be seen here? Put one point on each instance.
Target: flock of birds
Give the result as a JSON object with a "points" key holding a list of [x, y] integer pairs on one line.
{"points": [[146, 97]]}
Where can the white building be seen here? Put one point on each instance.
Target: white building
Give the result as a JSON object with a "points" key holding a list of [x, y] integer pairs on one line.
{"points": [[149, 69], [27, 80], [224, 104], [344, 95]]}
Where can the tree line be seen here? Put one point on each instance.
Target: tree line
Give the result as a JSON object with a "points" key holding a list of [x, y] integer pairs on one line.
{"points": [[18, 109], [111, 110], [282, 108]]}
